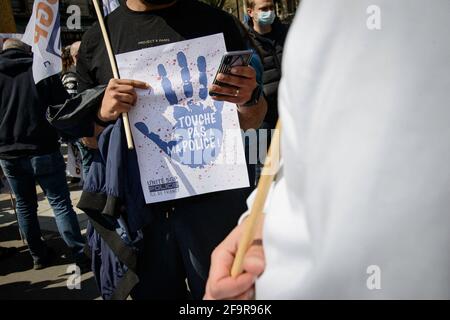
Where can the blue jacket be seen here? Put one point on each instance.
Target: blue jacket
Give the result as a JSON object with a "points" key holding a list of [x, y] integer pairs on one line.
{"points": [[113, 235]]}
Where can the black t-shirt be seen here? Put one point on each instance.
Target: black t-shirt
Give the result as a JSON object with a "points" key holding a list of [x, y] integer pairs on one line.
{"points": [[131, 30]]}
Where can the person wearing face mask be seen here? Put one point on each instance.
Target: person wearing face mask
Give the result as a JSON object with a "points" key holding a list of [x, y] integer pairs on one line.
{"points": [[269, 35]]}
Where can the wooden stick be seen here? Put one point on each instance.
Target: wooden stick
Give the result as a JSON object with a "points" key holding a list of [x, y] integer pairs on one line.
{"points": [[112, 61], [268, 173]]}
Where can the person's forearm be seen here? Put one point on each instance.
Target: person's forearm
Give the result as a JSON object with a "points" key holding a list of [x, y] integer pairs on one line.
{"points": [[252, 117]]}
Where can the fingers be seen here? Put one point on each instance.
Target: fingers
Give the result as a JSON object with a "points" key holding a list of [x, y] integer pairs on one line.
{"points": [[254, 261], [119, 97], [117, 108], [120, 101], [227, 91], [223, 256], [238, 87], [247, 295], [123, 90], [127, 82], [235, 100], [122, 108], [236, 81], [230, 94], [244, 71], [128, 98], [229, 287], [220, 284]]}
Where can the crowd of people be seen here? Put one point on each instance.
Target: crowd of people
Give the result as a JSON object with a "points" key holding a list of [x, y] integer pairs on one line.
{"points": [[364, 178]]}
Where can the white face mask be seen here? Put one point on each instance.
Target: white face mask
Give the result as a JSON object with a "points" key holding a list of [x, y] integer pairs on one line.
{"points": [[266, 17]]}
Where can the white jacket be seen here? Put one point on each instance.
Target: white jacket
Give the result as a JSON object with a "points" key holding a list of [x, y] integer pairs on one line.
{"points": [[363, 201]]}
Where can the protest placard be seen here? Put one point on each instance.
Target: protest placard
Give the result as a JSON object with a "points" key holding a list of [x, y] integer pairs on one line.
{"points": [[186, 143]]}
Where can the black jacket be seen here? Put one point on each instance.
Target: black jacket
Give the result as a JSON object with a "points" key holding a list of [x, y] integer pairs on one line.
{"points": [[24, 130], [271, 49]]}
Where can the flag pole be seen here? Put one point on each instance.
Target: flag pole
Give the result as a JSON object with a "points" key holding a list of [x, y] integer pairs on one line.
{"points": [[268, 174], [7, 22], [126, 122]]}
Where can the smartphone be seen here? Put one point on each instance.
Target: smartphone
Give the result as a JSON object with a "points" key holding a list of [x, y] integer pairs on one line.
{"points": [[229, 60]]}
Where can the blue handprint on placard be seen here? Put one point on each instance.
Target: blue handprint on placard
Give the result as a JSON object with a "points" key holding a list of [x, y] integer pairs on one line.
{"points": [[198, 131]]}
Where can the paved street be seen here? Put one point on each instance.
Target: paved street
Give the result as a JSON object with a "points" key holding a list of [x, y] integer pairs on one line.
{"points": [[18, 280]]}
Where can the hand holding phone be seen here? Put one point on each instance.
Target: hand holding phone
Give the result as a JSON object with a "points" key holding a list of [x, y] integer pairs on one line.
{"points": [[230, 60]]}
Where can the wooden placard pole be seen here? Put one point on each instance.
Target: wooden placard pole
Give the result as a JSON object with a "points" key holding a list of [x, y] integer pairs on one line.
{"points": [[112, 61], [256, 211]]}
